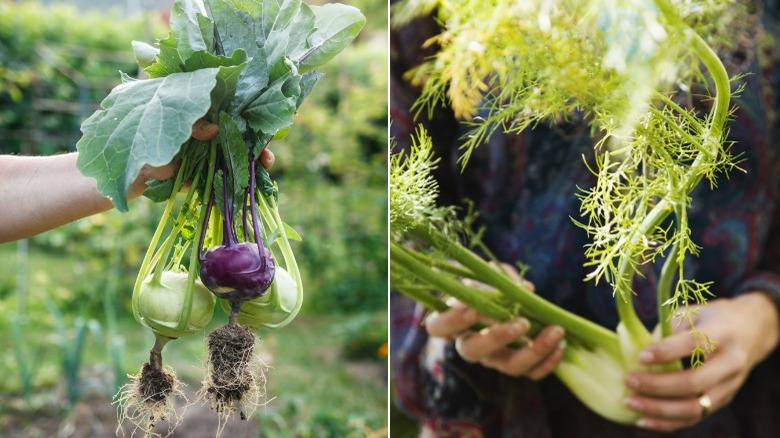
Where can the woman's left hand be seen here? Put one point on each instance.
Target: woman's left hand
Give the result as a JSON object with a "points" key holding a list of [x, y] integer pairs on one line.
{"points": [[744, 329]]}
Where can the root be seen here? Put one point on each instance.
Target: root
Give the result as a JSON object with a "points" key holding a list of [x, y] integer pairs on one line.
{"points": [[235, 380], [147, 400]]}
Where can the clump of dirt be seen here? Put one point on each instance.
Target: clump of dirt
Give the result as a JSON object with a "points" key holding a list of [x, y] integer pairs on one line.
{"points": [[235, 379], [149, 399]]}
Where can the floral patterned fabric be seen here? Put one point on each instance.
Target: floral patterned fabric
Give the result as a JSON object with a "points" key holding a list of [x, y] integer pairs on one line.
{"points": [[523, 187]]}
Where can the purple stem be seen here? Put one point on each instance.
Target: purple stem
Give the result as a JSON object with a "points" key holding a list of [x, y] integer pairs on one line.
{"points": [[253, 205], [244, 216], [205, 228], [228, 238]]}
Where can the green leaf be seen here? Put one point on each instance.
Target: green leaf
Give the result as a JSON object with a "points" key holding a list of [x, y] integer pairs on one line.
{"points": [[194, 32], [253, 79], [308, 81], [275, 108], [168, 60], [235, 27], [236, 155], [145, 54], [159, 191], [142, 122], [337, 25], [291, 233], [264, 183]]}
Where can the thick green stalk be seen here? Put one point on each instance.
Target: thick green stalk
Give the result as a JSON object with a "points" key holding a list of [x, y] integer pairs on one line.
{"points": [[536, 307], [471, 296], [270, 213], [192, 271], [708, 150], [149, 257]]}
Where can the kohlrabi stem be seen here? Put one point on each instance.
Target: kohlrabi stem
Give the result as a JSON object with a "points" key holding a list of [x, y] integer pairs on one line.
{"points": [[144, 270], [215, 228], [256, 227], [269, 210], [244, 220], [192, 271], [155, 354], [228, 238], [235, 307], [536, 307]]}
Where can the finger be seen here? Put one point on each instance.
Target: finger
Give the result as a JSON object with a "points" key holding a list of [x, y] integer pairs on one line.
{"points": [[204, 130], [686, 383], [451, 322], [686, 410], [663, 425], [520, 362], [674, 347], [548, 365], [267, 158], [474, 347]]}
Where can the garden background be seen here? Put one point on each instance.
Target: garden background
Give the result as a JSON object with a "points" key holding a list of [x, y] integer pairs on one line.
{"points": [[67, 336]]}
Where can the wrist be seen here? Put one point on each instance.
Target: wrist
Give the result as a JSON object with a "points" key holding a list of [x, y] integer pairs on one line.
{"points": [[766, 318]]}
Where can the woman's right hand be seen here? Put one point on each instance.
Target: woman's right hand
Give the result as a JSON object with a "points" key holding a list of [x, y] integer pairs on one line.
{"points": [[490, 346]]}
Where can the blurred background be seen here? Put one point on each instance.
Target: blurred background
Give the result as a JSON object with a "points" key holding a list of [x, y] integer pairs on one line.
{"points": [[68, 339]]}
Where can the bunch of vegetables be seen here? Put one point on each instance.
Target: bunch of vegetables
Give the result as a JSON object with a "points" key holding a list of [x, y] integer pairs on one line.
{"points": [[623, 65], [246, 65]]}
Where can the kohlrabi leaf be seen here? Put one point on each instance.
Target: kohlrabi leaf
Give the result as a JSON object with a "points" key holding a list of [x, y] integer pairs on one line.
{"points": [[337, 25], [159, 191], [145, 54], [235, 28], [228, 76], [141, 122], [275, 108], [235, 153], [253, 79], [288, 31], [168, 60], [308, 81], [192, 29]]}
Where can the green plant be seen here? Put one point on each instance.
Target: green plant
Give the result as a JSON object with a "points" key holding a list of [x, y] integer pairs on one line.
{"points": [[71, 345], [246, 66], [621, 64]]}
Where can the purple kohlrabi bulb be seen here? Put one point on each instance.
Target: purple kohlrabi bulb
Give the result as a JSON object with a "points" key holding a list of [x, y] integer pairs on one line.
{"points": [[237, 272]]}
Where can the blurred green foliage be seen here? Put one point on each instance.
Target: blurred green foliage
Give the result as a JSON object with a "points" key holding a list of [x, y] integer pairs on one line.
{"points": [[56, 63]]}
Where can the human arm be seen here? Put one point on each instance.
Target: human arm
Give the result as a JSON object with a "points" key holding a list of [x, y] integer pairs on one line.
{"points": [[41, 193]]}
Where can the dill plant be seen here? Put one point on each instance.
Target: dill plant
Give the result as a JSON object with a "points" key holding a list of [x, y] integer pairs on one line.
{"points": [[626, 66]]}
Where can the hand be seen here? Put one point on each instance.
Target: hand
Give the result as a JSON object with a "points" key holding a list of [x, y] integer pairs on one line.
{"points": [[201, 130], [745, 330], [489, 346]]}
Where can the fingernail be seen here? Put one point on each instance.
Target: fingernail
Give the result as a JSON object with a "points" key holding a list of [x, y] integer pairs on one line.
{"points": [[643, 423], [633, 404], [554, 335], [562, 344], [470, 315], [632, 382], [518, 327], [646, 356]]}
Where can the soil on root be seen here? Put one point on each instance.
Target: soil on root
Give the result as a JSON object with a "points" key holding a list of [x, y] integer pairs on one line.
{"points": [[235, 380], [147, 400]]}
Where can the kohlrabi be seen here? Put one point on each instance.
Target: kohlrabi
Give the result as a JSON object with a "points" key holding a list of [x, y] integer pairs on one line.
{"points": [[620, 63], [246, 66]]}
